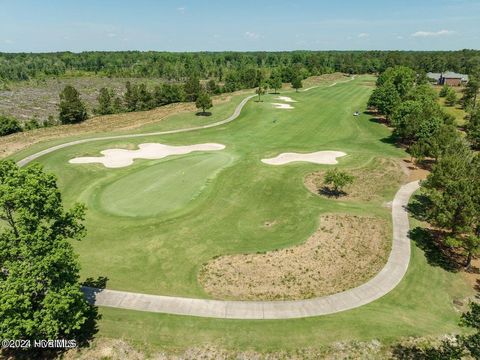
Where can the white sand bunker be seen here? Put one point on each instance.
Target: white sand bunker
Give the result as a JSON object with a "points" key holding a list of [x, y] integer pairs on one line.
{"points": [[285, 98], [116, 158], [283, 106], [319, 157]]}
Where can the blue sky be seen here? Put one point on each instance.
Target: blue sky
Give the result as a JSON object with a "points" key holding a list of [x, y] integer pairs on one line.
{"points": [[175, 25]]}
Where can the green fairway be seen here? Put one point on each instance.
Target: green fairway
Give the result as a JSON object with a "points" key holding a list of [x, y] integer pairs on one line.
{"points": [[153, 224]]}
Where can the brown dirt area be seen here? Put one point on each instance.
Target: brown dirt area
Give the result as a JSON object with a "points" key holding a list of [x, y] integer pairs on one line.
{"points": [[99, 124], [343, 253], [370, 182]]}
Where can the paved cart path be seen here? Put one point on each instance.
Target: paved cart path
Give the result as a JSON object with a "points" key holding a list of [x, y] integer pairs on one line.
{"points": [[385, 281], [381, 284]]}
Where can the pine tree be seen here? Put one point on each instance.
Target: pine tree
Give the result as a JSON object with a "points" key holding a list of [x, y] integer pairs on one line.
{"points": [[72, 109]]}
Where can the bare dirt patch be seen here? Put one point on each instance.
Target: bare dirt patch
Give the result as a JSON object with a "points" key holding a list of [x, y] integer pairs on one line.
{"points": [[343, 253], [370, 183]]}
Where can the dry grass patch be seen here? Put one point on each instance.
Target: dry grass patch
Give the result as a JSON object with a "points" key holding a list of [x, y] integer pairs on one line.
{"points": [[99, 124], [343, 253], [370, 183]]}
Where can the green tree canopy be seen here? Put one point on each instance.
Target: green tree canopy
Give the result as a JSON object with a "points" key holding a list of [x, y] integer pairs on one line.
{"points": [[105, 101], [385, 99], [453, 193], [203, 101], [297, 83], [337, 180], [40, 297], [473, 129], [9, 125], [192, 88], [275, 80], [72, 109]]}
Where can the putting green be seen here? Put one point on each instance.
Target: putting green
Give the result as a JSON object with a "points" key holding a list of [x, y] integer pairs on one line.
{"points": [[162, 251], [162, 186]]}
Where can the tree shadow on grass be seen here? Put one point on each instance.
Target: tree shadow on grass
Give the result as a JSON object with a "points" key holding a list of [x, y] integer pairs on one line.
{"points": [[418, 207], [203, 113], [435, 252], [328, 192]]}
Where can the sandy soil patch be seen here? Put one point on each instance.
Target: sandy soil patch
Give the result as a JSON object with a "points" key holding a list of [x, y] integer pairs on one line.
{"points": [[282, 106], [116, 158], [285, 99], [343, 253], [371, 182], [319, 157]]}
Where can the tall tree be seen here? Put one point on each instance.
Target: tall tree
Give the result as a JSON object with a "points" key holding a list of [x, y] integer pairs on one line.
{"points": [[192, 88], [385, 99], [40, 296], [72, 109], [105, 101], [203, 101], [130, 98], [453, 193], [451, 98], [297, 83], [261, 89], [472, 129], [275, 80], [470, 93]]}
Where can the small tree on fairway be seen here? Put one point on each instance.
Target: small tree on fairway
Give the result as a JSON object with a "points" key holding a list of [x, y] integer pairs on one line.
{"points": [[261, 89], [297, 83], [203, 101], [40, 297], [72, 109], [337, 180]]}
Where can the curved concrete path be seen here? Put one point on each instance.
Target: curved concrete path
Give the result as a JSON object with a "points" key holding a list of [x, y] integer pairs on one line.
{"points": [[381, 284], [232, 117]]}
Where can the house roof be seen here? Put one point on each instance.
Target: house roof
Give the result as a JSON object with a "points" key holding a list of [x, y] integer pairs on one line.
{"points": [[453, 75], [447, 75], [434, 76]]}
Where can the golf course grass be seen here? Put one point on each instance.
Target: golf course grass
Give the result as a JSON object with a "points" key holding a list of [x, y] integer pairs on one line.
{"points": [[153, 224]]}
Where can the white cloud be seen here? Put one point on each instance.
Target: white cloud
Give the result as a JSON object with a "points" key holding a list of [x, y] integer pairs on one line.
{"points": [[111, 35], [363, 35], [432, 33], [8, 41], [252, 35], [399, 37], [181, 9]]}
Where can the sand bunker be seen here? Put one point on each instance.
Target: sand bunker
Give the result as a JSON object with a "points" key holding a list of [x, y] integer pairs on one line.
{"points": [[283, 106], [285, 98], [319, 157], [116, 158]]}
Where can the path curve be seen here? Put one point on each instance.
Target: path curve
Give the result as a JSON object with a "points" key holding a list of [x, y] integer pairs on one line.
{"points": [[385, 281], [232, 117]]}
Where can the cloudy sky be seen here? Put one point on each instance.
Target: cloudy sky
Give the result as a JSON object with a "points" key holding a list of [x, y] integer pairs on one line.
{"points": [[56, 25]]}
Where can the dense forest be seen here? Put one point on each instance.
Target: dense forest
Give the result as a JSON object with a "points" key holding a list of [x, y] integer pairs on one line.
{"points": [[225, 66]]}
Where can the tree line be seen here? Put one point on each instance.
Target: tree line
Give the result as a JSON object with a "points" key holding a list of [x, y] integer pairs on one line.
{"points": [[451, 193], [228, 67]]}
